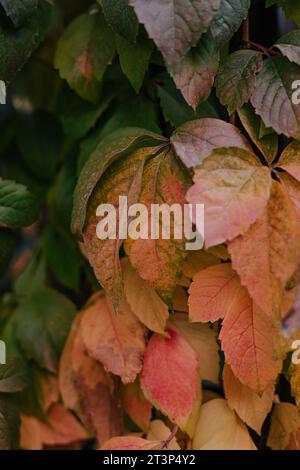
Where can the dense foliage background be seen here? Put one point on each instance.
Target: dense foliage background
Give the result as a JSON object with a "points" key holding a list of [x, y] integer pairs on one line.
{"points": [[143, 345]]}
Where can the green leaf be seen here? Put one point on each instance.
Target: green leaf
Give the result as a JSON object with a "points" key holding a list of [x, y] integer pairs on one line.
{"points": [[9, 423], [175, 25], [236, 79], [176, 110], [18, 207], [78, 116], [109, 150], [267, 143], [121, 18], [2, 92], [194, 75], [39, 139], [63, 258], [83, 53], [134, 58], [7, 248], [228, 20], [12, 377], [19, 10], [289, 46], [16, 46], [44, 318], [272, 97], [33, 277]]}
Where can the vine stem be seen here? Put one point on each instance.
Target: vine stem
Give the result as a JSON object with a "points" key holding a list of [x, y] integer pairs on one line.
{"points": [[246, 31], [169, 439]]}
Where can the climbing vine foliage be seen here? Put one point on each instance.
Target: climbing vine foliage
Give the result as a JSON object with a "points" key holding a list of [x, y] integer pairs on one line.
{"points": [[125, 343]]}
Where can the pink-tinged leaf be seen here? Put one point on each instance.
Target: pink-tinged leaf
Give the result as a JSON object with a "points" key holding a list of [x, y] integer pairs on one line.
{"points": [[115, 340], [175, 25], [165, 181], [251, 407], [136, 406], [204, 342], [268, 255], [219, 428], [195, 140], [211, 293], [194, 75], [250, 342], [144, 301], [131, 443], [290, 160], [284, 422], [234, 188], [167, 361]]}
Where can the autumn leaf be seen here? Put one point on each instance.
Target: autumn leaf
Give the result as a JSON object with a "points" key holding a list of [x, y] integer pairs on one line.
{"points": [[144, 302], [166, 361], [135, 404], [211, 293], [289, 46], [122, 179], [248, 336], [275, 237], [233, 182], [289, 160], [87, 389], [284, 422], [117, 341], [62, 429], [203, 341], [131, 443], [194, 75], [175, 26], [251, 407], [197, 139], [164, 182], [219, 428]]}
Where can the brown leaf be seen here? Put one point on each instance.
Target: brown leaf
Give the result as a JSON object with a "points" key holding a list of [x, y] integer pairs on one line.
{"points": [[284, 422]]}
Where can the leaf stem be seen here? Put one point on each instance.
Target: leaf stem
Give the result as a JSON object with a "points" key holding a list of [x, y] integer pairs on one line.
{"points": [[169, 439]]}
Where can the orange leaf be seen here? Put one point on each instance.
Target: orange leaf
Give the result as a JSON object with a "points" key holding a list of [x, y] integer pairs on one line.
{"points": [[116, 340], [284, 422], [290, 161], [219, 428], [211, 293], [159, 431], [170, 379], [250, 407], [267, 256], [144, 301]]}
